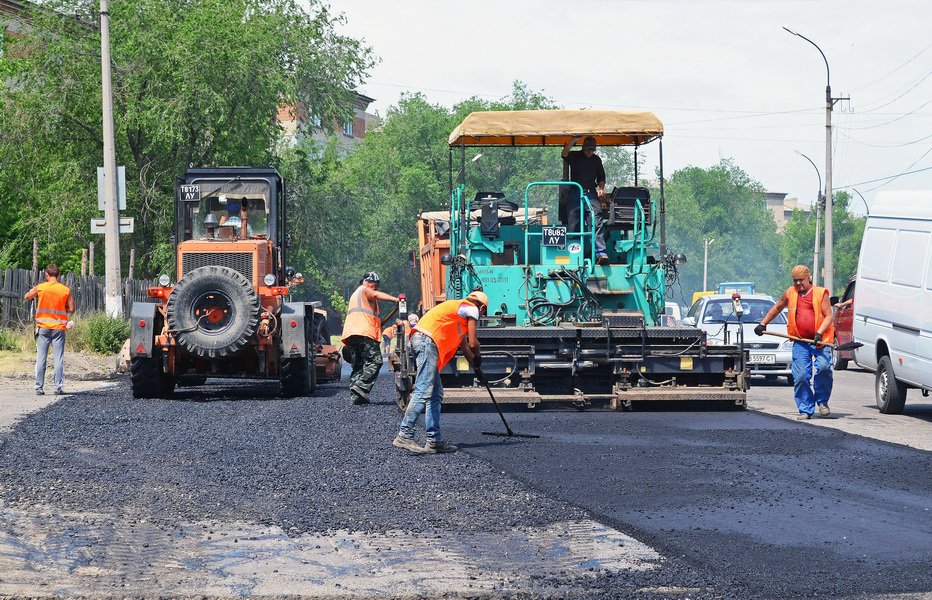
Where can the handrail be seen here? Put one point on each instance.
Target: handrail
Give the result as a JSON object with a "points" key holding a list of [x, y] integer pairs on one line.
{"points": [[582, 221]]}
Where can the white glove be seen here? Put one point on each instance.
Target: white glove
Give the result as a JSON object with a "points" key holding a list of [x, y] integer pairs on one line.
{"points": [[69, 325]]}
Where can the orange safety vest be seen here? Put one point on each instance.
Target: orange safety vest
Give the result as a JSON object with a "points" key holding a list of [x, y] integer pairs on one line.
{"points": [[818, 293], [443, 324], [362, 319], [51, 308]]}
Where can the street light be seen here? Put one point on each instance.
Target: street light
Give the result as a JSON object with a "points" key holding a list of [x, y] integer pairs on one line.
{"points": [[829, 103], [705, 264], [818, 221]]}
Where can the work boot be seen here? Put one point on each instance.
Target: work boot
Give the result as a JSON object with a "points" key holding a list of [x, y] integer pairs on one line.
{"points": [[360, 396], [40, 392], [439, 447], [408, 444], [824, 411], [803, 417], [602, 260]]}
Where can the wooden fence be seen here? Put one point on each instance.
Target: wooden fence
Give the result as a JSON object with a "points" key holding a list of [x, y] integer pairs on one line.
{"points": [[88, 292]]}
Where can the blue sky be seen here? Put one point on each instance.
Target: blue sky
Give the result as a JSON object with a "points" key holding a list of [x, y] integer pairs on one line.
{"points": [[724, 77]]}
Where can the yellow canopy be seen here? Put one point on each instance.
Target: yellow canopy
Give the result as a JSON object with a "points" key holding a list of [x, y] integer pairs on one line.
{"points": [[556, 127]]}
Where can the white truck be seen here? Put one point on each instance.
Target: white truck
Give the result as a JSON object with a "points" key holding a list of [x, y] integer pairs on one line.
{"points": [[893, 311]]}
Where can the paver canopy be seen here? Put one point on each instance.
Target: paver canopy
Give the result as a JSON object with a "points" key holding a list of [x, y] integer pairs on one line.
{"points": [[556, 127]]}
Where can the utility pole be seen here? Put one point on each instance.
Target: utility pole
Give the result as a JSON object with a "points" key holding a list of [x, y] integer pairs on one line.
{"points": [[818, 221], [829, 104], [705, 264], [112, 283]]}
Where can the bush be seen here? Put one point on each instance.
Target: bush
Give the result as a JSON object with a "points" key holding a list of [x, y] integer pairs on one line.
{"points": [[11, 339], [98, 333]]}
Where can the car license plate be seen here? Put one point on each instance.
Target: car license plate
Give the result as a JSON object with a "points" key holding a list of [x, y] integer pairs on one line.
{"points": [[767, 359]]}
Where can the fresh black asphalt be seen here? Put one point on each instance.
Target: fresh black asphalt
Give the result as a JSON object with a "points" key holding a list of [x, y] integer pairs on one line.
{"points": [[739, 504]]}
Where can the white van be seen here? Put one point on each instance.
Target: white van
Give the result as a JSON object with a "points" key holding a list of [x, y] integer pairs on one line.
{"points": [[893, 310]]}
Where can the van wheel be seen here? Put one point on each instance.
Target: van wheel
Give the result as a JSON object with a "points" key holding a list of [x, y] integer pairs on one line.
{"points": [[891, 394]]}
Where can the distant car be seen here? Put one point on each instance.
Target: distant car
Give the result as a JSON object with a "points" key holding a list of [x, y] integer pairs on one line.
{"points": [[844, 325], [673, 314], [768, 356]]}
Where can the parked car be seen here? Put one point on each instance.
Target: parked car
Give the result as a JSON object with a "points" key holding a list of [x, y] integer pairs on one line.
{"points": [[768, 356], [844, 322], [893, 314]]}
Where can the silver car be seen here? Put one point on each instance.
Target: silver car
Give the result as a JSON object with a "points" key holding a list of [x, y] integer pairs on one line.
{"points": [[768, 356]]}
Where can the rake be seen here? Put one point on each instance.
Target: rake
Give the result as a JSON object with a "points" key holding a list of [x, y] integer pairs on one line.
{"points": [[508, 432]]}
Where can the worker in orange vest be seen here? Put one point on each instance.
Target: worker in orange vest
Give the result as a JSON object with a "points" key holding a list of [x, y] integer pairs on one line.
{"points": [[446, 328], [53, 318], [810, 318], [362, 332]]}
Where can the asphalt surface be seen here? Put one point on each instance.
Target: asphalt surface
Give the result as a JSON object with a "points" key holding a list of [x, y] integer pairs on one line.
{"points": [[763, 506], [738, 504]]}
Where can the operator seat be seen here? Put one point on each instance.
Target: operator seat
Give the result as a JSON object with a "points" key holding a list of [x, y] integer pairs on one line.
{"points": [[490, 203], [622, 213]]}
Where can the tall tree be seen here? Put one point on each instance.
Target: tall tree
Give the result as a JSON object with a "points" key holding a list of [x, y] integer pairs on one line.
{"points": [[798, 241], [195, 83], [723, 203]]}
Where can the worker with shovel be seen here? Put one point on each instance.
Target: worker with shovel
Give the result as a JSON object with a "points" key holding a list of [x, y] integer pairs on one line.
{"points": [[444, 329], [810, 318]]}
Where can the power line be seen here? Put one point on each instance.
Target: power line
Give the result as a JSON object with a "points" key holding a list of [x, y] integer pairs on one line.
{"points": [[873, 81], [856, 141], [911, 88], [890, 177]]}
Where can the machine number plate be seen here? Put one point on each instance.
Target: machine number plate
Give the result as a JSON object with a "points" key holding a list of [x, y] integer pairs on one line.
{"points": [[190, 193], [767, 359], [554, 237]]}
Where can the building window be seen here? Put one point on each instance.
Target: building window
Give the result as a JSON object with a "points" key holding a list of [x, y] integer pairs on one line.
{"points": [[348, 127]]}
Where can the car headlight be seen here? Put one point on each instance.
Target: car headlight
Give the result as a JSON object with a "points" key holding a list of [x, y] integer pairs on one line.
{"points": [[715, 342], [164, 280], [269, 279], [787, 345]]}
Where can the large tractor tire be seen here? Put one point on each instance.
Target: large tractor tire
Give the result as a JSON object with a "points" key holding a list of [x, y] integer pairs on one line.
{"points": [[148, 378], [299, 374], [213, 311]]}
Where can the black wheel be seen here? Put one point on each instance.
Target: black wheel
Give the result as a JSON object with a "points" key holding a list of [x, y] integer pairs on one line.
{"points": [[148, 378], [299, 374], [789, 380], [839, 363], [891, 394], [213, 311]]}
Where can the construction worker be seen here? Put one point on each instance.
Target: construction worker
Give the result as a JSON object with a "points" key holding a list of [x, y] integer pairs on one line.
{"points": [[446, 328], [585, 168], [362, 332], [53, 318], [810, 318]]}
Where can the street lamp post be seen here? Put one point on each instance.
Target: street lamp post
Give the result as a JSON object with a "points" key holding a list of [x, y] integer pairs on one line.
{"points": [[705, 264], [829, 104], [818, 221]]}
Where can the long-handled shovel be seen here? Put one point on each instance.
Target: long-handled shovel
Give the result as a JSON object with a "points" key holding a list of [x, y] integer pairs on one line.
{"points": [[843, 347], [508, 432]]}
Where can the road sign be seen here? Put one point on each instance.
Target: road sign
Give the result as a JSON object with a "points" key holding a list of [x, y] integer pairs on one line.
{"points": [[121, 188], [127, 225]]}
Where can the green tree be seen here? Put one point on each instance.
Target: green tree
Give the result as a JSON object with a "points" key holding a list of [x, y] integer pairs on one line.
{"points": [[195, 83], [847, 230], [723, 203]]}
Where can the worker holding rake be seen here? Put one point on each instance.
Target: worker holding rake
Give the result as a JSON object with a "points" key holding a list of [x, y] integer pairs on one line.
{"points": [[809, 318]]}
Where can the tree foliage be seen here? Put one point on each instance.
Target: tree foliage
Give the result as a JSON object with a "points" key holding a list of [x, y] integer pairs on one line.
{"points": [[798, 242], [725, 204], [195, 83]]}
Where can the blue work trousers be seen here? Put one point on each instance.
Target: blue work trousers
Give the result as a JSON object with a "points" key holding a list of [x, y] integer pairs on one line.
{"points": [[804, 356], [428, 391], [595, 208], [56, 339]]}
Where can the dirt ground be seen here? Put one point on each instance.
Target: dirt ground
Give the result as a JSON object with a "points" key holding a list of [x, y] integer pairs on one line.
{"points": [[82, 372]]}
